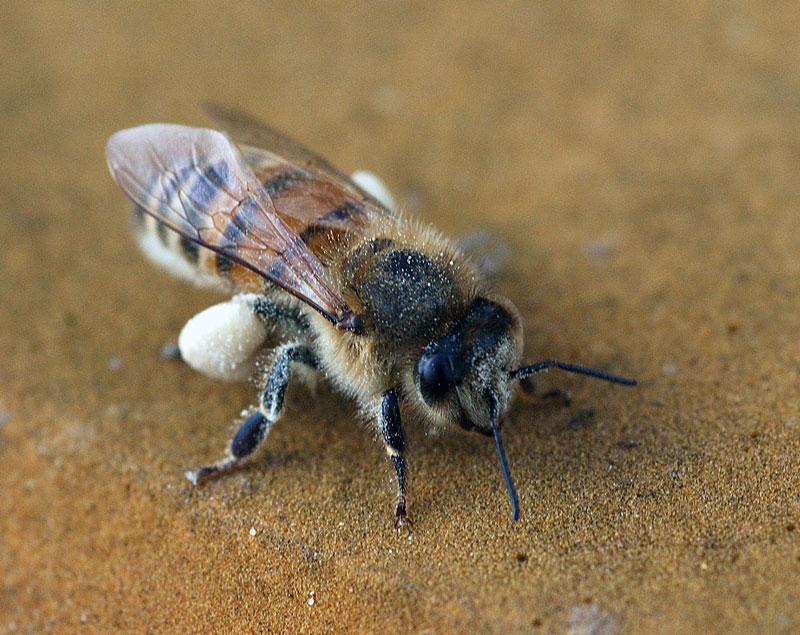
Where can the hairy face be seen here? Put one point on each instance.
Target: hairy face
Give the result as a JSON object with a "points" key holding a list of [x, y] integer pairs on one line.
{"points": [[463, 377]]}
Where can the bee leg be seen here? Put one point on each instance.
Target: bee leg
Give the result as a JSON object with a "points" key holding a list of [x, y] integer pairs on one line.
{"points": [[395, 441], [528, 388], [288, 320], [255, 429], [558, 394]]}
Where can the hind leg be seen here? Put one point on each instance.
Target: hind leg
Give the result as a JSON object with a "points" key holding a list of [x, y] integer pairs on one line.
{"points": [[223, 340], [254, 430]]}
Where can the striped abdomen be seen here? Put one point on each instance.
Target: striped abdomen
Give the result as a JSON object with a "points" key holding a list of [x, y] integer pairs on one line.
{"points": [[187, 260]]}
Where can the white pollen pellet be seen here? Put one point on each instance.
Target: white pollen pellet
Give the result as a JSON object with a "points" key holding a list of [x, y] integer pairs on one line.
{"points": [[223, 340], [371, 184]]}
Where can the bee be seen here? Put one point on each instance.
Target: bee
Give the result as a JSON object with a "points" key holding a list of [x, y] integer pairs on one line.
{"points": [[389, 310]]}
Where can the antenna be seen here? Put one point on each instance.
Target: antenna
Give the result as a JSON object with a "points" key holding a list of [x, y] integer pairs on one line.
{"points": [[512, 492], [501, 453], [523, 372]]}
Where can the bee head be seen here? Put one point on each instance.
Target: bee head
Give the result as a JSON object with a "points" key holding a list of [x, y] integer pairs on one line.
{"points": [[465, 376], [468, 375], [457, 374]]}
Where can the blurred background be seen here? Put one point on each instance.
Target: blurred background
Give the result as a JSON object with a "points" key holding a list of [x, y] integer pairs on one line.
{"points": [[638, 160]]}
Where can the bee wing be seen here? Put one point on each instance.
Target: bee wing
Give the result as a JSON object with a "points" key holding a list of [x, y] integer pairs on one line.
{"points": [[303, 185], [197, 183], [246, 129]]}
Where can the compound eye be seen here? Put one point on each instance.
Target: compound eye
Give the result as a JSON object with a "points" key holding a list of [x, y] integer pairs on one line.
{"points": [[439, 372]]}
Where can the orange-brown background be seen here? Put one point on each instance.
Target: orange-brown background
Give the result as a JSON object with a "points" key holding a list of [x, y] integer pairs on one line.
{"points": [[642, 164]]}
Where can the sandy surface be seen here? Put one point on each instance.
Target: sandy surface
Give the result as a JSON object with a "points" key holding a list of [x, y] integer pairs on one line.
{"points": [[642, 165]]}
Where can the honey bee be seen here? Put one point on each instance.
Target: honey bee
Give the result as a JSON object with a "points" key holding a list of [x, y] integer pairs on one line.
{"points": [[390, 311]]}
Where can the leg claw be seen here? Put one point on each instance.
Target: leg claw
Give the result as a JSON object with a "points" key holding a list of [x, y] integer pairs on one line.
{"points": [[203, 473], [401, 519]]}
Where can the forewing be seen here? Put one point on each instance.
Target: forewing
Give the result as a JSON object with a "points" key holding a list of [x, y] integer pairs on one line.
{"points": [[302, 185], [196, 182], [246, 129]]}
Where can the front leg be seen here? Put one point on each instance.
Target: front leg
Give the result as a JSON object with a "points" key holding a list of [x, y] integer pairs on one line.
{"points": [[395, 441], [255, 429]]}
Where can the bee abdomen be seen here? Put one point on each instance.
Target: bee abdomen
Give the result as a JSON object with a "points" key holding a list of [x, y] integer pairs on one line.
{"points": [[187, 260]]}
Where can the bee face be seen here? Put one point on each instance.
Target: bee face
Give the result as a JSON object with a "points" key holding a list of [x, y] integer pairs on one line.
{"points": [[463, 377]]}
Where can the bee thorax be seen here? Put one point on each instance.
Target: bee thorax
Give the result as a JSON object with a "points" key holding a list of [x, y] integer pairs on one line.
{"points": [[406, 294]]}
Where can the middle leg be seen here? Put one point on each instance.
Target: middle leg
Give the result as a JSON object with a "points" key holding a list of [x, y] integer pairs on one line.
{"points": [[394, 439]]}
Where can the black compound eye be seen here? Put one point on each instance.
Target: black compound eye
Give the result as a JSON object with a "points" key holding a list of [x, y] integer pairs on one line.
{"points": [[440, 369]]}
